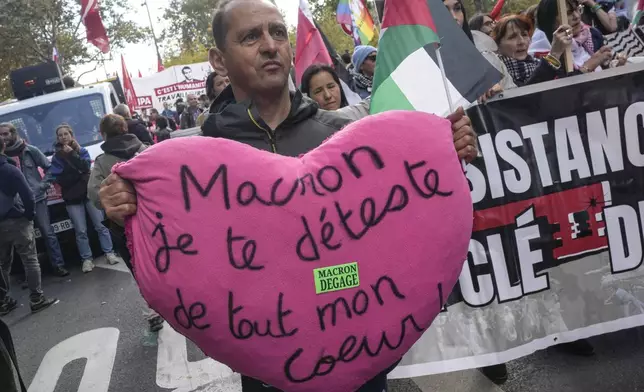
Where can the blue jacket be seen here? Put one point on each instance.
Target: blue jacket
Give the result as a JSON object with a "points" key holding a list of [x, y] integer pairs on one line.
{"points": [[71, 172], [31, 159], [16, 197]]}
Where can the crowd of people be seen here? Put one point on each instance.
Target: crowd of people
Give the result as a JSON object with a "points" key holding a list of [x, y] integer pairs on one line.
{"points": [[527, 48]]}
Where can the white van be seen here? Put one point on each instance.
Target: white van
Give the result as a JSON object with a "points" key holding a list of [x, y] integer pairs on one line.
{"points": [[36, 119]]}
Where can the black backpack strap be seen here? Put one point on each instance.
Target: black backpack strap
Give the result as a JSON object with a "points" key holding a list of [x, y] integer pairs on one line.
{"points": [[6, 347]]}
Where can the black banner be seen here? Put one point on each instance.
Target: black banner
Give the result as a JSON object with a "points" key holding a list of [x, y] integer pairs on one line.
{"points": [[557, 163]]}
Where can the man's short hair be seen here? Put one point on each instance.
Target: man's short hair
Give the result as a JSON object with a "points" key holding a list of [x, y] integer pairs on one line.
{"points": [[68, 81], [112, 125], [10, 126], [220, 24], [153, 110], [162, 122], [186, 67], [2, 145], [123, 111]]}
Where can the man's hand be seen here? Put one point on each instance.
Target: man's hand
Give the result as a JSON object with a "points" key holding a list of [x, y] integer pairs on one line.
{"points": [[464, 136], [118, 198]]}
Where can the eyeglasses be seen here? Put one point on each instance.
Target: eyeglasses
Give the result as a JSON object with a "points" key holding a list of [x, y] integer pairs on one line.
{"points": [[579, 9], [489, 23], [372, 57]]}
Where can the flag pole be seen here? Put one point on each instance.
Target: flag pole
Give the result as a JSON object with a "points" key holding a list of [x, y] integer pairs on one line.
{"points": [[375, 9], [450, 103]]}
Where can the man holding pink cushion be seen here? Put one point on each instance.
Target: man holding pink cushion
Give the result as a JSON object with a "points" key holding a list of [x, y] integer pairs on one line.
{"points": [[258, 109]]}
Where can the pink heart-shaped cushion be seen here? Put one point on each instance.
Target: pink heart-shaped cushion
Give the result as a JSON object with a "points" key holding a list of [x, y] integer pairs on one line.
{"points": [[227, 240]]}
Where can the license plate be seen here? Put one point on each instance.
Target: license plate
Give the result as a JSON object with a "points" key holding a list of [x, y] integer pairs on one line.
{"points": [[58, 227]]}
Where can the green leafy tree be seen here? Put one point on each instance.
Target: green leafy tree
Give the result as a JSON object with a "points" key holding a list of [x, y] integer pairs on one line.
{"points": [[190, 29], [324, 13], [510, 7], [30, 29], [197, 54]]}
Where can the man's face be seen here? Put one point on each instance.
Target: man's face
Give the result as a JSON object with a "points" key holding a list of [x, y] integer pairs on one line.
{"points": [[166, 105], [193, 102], [257, 54], [187, 73], [6, 135], [369, 65], [220, 83]]}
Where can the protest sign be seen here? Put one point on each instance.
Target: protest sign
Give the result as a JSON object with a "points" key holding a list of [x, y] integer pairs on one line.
{"points": [[556, 250], [628, 42], [171, 84], [313, 270]]}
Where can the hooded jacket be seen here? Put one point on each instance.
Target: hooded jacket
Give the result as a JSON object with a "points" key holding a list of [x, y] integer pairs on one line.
{"points": [[16, 197], [304, 129], [71, 172], [117, 149]]}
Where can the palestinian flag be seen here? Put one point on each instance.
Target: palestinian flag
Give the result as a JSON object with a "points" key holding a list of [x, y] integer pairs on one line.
{"points": [[407, 73], [639, 11]]}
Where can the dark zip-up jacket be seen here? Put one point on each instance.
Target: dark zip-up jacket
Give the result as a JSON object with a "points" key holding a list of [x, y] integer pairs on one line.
{"points": [[16, 197], [138, 129], [305, 128]]}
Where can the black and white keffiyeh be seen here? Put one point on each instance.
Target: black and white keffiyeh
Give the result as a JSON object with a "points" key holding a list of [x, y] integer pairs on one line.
{"points": [[520, 70], [363, 81]]}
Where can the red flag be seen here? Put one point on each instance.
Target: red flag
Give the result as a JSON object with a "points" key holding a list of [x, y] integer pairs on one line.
{"points": [[496, 11], [160, 66], [140, 74], [309, 47], [128, 88], [91, 18]]}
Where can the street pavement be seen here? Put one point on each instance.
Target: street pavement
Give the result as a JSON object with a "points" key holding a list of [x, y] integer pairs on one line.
{"points": [[95, 340]]}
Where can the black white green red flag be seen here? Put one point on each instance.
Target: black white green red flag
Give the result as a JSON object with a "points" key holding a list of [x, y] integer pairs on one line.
{"points": [[407, 73]]}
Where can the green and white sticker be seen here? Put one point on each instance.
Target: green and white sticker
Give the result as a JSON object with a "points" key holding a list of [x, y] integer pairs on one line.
{"points": [[336, 277]]}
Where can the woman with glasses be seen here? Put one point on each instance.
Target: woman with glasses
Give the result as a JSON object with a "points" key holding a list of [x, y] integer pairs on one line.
{"points": [[483, 23], [485, 45], [588, 51]]}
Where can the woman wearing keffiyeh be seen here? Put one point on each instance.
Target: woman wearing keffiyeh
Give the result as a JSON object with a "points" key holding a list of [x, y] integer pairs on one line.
{"points": [[588, 52], [513, 36]]}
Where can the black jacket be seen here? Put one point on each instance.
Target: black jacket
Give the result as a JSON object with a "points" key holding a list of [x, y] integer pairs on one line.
{"points": [[12, 185], [305, 128], [138, 129], [187, 119], [71, 172]]}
